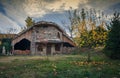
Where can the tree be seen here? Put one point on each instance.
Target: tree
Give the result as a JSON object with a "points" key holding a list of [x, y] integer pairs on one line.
{"points": [[6, 42], [112, 48], [29, 21], [71, 15], [86, 29], [84, 23]]}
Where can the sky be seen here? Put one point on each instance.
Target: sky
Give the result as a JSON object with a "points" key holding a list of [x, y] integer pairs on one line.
{"points": [[14, 12]]}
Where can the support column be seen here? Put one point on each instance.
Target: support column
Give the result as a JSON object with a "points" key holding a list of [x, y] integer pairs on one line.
{"points": [[12, 49], [32, 48], [52, 49], [44, 50], [33, 44], [61, 49]]}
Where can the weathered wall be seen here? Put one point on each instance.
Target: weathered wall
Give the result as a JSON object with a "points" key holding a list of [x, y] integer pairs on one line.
{"points": [[7, 36], [47, 33], [41, 34], [40, 52], [68, 50], [26, 35], [20, 52], [65, 39]]}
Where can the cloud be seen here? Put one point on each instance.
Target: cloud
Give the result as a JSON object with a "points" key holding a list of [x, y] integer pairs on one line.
{"points": [[114, 7], [50, 1], [67, 4], [15, 11], [101, 4], [14, 15], [36, 8], [7, 23], [2, 10], [57, 17]]}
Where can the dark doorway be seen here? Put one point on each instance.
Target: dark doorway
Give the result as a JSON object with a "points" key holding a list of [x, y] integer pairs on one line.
{"points": [[48, 49], [24, 44], [57, 47]]}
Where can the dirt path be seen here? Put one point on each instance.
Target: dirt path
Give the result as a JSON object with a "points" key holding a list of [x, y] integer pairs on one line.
{"points": [[12, 58]]}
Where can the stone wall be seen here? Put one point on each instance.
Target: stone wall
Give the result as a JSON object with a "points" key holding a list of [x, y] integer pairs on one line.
{"points": [[47, 33], [68, 50], [26, 35], [41, 34], [43, 52], [20, 52], [66, 39]]}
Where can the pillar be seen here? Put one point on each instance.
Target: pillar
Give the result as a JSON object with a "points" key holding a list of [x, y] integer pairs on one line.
{"points": [[61, 48], [33, 44], [52, 49]]}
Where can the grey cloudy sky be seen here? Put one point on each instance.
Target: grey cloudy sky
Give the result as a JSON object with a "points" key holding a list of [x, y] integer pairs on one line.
{"points": [[14, 12]]}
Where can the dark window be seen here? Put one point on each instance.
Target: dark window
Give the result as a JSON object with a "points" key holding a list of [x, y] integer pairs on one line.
{"points": [[40, 48], [24, 44], [37, 31], [57, 47], [58, 35], [45, 26]]}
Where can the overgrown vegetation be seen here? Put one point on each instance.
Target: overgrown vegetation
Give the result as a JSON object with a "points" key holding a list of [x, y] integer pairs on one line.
{"points": [[91, 29], [87, 27], [60, 66], [29, 22], [6, 44]]}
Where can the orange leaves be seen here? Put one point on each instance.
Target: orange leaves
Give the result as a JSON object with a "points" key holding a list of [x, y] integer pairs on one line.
{"points": [[54, 69], [93, 63]]}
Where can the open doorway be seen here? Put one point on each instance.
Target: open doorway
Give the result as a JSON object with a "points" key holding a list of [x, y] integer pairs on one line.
{"points": [[24, 44], [48, 50]]}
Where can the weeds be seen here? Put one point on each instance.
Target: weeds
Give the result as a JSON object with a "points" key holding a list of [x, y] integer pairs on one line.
{"points": [[60, 66]]}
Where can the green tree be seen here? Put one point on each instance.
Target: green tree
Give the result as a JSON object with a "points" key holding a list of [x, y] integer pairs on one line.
{"points": [[6, 42], [112, 48], [87, 33], [97, 37], [84, 27], [29, 21]]}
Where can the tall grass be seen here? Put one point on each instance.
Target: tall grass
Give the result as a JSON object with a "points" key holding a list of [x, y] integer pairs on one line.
{"points": [[59, 66]]}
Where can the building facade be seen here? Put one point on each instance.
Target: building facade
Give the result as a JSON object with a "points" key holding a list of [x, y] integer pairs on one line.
{"points": [[43, 38]]}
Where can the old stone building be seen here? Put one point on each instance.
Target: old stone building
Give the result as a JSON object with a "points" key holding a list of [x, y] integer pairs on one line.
{"points": [[43, 38]]}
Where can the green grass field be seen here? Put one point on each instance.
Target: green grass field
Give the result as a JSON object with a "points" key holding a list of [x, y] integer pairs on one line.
{"points": [[59, 66]]}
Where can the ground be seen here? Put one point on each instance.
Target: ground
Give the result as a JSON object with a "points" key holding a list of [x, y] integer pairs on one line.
{"points": [[59, 66]]}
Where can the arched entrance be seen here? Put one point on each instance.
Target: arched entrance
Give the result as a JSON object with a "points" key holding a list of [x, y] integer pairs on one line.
{"points": [[24, 44], [22, 47]]}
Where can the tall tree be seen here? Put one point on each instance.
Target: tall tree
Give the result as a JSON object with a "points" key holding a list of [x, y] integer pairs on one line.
{"points": [[87, 27], [29, 21], [70, 27], [112, 48]]}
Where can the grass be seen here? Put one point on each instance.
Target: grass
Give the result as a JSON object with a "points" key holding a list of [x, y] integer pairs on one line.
{"points": [[59, 66]]}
